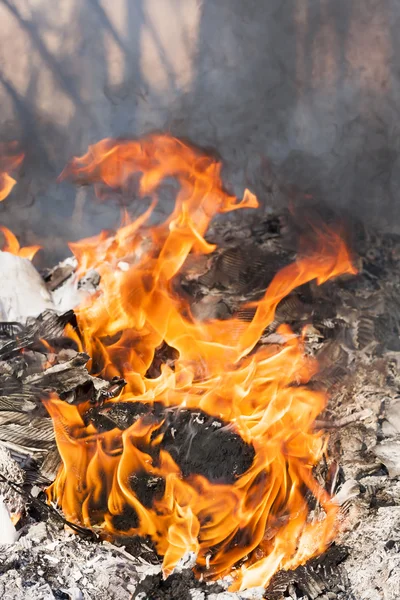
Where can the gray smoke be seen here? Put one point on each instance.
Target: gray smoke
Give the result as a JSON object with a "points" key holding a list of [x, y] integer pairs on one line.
{"points": [[302, 90]]}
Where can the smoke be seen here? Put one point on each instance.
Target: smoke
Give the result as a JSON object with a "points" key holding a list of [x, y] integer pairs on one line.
{"points": [[299, 92]]}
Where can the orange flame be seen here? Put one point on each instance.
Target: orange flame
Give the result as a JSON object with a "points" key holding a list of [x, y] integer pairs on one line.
{"points": [[9, 160], [13, 247], [261, 521]]}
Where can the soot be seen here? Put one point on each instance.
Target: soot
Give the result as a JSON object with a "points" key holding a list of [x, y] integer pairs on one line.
{"points": [[199, 443]]}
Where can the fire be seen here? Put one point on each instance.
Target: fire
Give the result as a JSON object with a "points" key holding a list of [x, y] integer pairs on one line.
{"points": [[260, 521], [9, 160], [12, 245]]}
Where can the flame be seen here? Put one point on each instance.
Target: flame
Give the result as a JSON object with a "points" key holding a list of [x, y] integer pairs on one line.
{"points": [[261, 522], [9, 160], [13, 247]]}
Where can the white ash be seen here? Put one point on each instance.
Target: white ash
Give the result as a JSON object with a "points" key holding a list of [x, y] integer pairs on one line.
{"points": [[11, 471], [372, 521], [43, 565], [187, 561], [74, 291], [349, 490], [373, 566], [388, 450], [23, 291], [391, 423], [388, 453], [256, 593], [8, 533]]}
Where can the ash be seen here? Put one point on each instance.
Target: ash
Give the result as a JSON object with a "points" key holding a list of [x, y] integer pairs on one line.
{"points": [[46, 563], [353, 328]]}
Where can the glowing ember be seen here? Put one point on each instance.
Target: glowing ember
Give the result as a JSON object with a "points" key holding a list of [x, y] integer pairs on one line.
{"points": [[260, 521], [9, 160]]}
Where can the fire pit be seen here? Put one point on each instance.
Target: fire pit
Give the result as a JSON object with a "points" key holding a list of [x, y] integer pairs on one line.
{"points": [[168, 385], [199, 393]]}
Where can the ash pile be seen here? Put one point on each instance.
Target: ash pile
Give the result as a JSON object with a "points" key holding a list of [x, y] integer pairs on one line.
{"points": [[352, 326]]}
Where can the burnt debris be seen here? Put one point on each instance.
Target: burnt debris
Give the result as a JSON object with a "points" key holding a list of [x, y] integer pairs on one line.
{"points": [[351, 325]]}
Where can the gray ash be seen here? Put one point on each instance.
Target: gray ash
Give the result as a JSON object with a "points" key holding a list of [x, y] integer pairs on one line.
{"points": [[315, 580], [355, 336], [179, 586]]}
